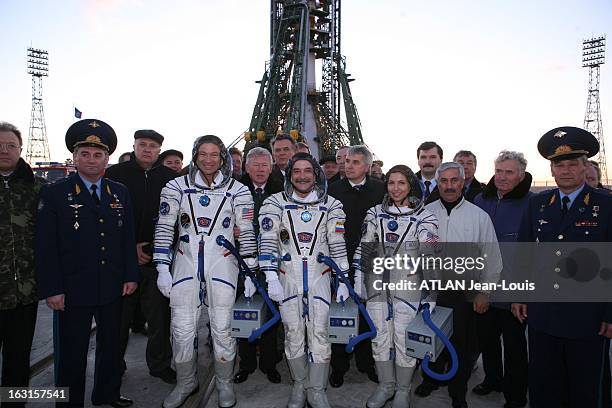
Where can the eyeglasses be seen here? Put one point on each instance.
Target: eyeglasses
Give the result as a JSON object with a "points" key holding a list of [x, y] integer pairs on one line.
{"points": [[9, 146]]}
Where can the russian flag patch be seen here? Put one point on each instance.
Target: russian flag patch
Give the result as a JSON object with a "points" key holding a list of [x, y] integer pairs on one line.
{"points": [[340, 227]]}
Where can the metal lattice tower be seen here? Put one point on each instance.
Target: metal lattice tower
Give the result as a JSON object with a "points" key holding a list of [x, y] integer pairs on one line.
{"points": [[305, 84], [593, 56], [38, 146]]}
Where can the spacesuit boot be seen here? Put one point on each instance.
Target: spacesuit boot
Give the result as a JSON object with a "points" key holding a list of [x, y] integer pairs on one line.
{"points": [[186, 383], [299, 372], [386, 385], [224, 384], [318, 375], [404, 382]]}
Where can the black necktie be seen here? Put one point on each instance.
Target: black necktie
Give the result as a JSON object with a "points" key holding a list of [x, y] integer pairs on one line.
{"points": [[94, 195], [358, 187], [258, 191], [564, 208], [427, 190]]}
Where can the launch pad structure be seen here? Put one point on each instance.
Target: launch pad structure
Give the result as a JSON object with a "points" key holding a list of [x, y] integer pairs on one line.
{"points": [[304, 91]]}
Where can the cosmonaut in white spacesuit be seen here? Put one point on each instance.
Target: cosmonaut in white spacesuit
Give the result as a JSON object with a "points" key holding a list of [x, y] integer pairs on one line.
{"points": [[398, 226], [196, 271], [295, 226]]}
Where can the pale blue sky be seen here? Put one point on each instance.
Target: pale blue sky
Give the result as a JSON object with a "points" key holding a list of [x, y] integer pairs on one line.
{"points": [[481, 75]]}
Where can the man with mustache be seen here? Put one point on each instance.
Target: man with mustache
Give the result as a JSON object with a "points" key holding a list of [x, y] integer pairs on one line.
{"points": [[467, 225], [429, 155], [295, 226]]}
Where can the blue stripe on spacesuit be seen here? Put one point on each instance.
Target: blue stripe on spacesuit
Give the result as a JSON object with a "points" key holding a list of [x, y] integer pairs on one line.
{"points": [[289, 298], [202, 293], [182, 280], [224, 281], [407, 303], [157, 250], [305, 287], [321, 299]]}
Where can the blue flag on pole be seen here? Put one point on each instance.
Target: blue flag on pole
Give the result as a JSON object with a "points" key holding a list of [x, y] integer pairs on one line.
{"points": [[77, 113]]}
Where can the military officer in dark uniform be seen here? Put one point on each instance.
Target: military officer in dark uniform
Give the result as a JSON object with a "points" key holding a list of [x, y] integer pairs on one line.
{"points": [[566, 340], [86, 262]]}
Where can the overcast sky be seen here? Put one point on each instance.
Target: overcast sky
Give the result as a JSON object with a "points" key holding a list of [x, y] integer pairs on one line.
{"points": [[483, 75]]}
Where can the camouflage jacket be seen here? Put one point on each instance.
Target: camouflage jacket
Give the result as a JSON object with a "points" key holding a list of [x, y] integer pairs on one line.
{"points": [[18, 202]]}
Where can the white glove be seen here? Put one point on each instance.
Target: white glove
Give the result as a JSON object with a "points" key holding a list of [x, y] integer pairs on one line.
{"points": [[249, 287], [164, 281], [342, 293], [275, 290]]}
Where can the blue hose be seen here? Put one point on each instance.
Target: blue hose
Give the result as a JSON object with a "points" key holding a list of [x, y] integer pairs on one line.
{"points": [[366, 335], [451, 349], [244, 269]]}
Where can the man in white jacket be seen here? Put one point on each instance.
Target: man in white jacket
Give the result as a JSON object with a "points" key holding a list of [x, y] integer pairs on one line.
{"points": [[466, 225]]}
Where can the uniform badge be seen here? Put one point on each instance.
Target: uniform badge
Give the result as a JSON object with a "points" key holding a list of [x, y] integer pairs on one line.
{"points": [[41, 204], [306, 216], [560, 134], [76, 206], [204, 222], [391, 237], [76, 225], [185, 220], [542, 222], [304, 237], [284, 236], [204, 201], [120, 223], [392, 225], [226, 222], [164, 208], [266, 224]]}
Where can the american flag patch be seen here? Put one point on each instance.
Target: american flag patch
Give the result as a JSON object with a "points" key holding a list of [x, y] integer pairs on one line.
{"points": [[340, 227], [431, 238], [248, 213]]}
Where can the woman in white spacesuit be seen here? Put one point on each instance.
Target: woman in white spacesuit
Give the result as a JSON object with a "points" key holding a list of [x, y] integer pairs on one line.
{"points": [[398, 226]]}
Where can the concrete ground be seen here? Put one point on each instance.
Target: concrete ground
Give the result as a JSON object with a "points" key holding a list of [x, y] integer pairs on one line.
{"points": [[256, 392]]}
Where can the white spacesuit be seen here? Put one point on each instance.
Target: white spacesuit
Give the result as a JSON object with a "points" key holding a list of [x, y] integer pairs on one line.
{"points": [[293, 232], [389, 231], [203, 273]]}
